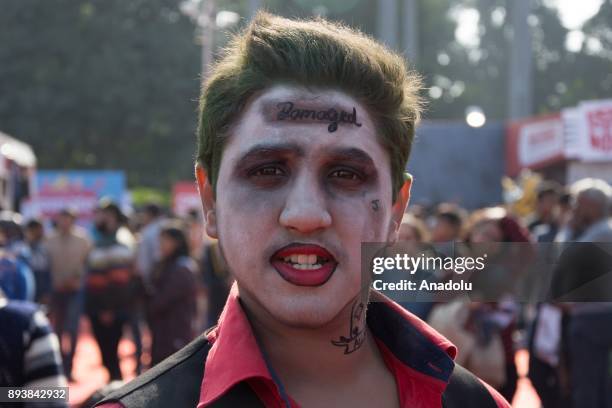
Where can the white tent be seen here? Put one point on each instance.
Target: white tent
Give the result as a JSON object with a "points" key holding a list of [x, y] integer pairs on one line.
{"points": [[17, 151]]}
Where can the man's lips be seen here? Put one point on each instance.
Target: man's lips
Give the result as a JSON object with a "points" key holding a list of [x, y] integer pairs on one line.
{"points": [[304, 264]]}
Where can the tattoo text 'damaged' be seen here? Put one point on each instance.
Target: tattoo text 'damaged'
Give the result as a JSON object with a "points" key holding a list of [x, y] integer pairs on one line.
{"points": [[333, 116]]}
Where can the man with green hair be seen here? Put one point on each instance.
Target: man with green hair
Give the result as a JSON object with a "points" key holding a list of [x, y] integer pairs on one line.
{"points": [[305, 129]]}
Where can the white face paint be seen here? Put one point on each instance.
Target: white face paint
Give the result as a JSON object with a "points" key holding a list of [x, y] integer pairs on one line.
{"points": [[294, 197]]}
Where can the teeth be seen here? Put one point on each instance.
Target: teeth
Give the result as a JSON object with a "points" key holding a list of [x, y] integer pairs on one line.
{"points": [[307, 267], [304, 261]]}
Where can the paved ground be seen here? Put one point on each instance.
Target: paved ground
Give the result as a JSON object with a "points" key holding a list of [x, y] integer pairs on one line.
{"points": [[89, 374]]}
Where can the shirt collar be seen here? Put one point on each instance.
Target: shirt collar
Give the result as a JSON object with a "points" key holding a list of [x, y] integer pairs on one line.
{"points": [[235, 355], [412, 341]]}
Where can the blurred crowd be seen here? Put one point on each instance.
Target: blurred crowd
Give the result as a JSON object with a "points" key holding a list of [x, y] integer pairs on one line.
{"points": [[157, 274], [148, 273], [569, 343]]}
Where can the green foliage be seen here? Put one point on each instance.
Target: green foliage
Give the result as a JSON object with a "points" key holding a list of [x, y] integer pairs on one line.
{"points": [[113, 84], [143, 195], [101, 84]]}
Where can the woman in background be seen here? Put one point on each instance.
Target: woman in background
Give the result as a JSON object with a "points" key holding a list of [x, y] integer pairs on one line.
{"points": [[171, 306], [490, 230]]}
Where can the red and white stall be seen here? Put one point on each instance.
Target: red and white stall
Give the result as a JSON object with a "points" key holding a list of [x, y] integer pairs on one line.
{"points": [[567, 146]]}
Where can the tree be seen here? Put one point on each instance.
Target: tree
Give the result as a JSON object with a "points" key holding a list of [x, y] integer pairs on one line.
{"points": [[101, 84], [114, 83]]}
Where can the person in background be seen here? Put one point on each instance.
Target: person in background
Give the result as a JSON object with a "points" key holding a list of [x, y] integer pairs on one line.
{"points": [[29, 350], [16, 278], [565, 208], [40, 261], [198, 240], [553, 209], [147, 255], [489, 231], [148, 252], [413, 229], [12, 242], [109, 286], [171, 305], [217, 281], [68, 248], [196, 234], [545, 224], [415, 237], [447, 223], [419, 211], [10, 225], [97, 221], [566, 231], [589, 329]]}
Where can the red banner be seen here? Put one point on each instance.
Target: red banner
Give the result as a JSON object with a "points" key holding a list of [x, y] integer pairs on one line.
{"points": [[534, 143]]}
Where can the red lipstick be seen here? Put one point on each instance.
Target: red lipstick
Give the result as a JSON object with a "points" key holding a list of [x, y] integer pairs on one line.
{"points": [[304, 264]]}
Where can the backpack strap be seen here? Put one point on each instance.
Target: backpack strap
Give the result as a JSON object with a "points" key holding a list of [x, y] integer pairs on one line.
{"points": [[465, 390]]}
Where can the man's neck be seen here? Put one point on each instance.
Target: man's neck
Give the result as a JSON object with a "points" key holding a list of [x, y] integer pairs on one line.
{"points": [[338, 364], [328, 354]]}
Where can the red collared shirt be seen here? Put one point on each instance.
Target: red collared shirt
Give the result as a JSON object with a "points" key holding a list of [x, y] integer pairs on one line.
{"points": [[420, 359]]}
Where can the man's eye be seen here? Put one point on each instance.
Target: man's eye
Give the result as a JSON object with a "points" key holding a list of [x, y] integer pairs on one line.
{"points": [[345, 174], [268, 171]]}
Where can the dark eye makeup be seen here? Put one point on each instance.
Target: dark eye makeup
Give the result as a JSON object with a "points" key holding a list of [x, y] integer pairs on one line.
{"points": [[267, 170]]}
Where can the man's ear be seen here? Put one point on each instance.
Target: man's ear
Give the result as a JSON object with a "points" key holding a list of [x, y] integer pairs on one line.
{"points": [[207, 196], [399, 207]]}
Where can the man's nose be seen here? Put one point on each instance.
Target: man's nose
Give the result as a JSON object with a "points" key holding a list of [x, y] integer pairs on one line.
{"points": [[305, 209]]}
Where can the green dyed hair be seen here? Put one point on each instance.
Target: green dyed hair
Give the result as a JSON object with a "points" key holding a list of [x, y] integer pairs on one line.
{"points": [[309, 53]]}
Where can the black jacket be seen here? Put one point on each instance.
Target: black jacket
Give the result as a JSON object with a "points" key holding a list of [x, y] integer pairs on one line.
{"points": [[176, 382]]}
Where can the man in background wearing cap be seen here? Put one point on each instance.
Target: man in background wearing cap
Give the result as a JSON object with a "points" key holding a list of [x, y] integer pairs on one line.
{"points": [[68, 248]]}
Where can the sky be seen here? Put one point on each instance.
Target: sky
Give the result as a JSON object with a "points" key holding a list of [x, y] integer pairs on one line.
{"points": [[575, 12]]}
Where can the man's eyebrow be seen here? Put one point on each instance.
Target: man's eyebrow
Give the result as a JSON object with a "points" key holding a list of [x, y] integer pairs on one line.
{"points": [[350, 154], [265, 150]]}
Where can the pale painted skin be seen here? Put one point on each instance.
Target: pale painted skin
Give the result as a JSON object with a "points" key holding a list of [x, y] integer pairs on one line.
{"points": [[307, 186]]}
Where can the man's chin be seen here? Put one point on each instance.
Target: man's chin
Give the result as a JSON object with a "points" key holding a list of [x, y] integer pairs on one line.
{"points": [[296, 306], [312, 315], [302, 309]]}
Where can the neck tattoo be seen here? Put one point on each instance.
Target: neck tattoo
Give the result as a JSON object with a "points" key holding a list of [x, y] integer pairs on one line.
{"points": [[357, 331], [288, 111]]}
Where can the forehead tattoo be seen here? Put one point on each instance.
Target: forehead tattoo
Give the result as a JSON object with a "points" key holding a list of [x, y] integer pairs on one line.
{"points": [[305, 112]]}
